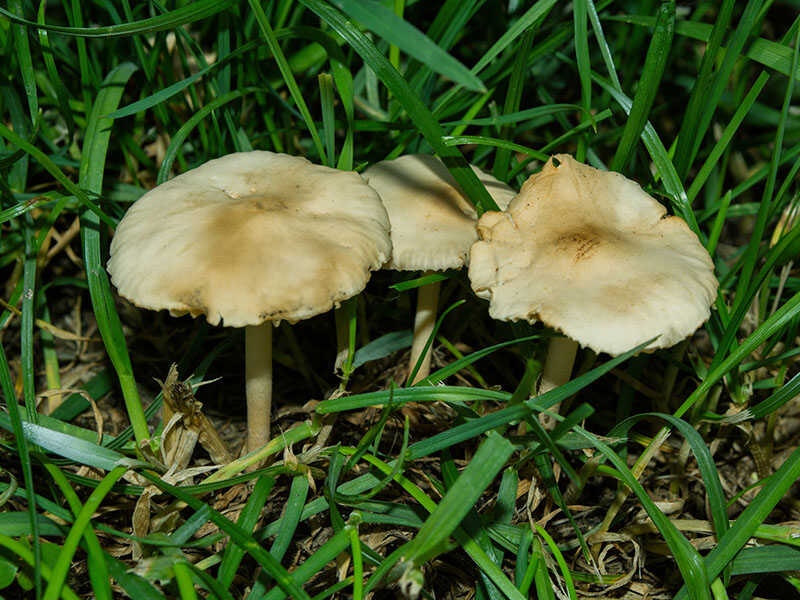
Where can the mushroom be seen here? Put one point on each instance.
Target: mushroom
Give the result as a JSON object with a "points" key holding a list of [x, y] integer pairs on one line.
{"points": [[248, 240], [433, 227], [589, 253]]}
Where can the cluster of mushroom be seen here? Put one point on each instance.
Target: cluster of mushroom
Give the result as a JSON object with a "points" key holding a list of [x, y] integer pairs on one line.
{"points": [[254, 238]]}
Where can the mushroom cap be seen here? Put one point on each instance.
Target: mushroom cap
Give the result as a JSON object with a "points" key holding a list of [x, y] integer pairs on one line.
{"points": [[589, 253], [251, 237], [433, 224]]}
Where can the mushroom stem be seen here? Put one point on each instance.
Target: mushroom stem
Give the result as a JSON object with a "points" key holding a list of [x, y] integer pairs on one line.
{"points": [[424, 321], [558, 366], [258, 386]]}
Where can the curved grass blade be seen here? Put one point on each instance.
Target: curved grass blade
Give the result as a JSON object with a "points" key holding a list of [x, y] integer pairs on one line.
{"points": [[690, 563], [429, 342], [288, 77], [22, 551], [766, 559], [700, 89], [76, 449], [25, 62], [581, 39], [247, 521], [383, 346], [660, 158], [180, 136], [98, 569], [387, 25], [705, 464], [481, 140], [92, 169], [314, 563], [727, 135], [61, 567], [238, 536], [62, 95], [532, 16], [181, 16], [412, 394], [652, 72], [459, 499], [754, 515], [605, 51], [462, 363], [771, 54], [47, 163], [7, 386], [427, 124]]}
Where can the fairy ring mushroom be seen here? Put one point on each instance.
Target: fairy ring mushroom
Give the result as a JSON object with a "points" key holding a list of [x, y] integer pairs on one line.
{"points": [[432, 229], [592, 255], [248, 240]]}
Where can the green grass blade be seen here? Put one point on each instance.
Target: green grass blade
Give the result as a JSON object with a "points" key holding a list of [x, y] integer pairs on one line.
{"points": [[605, 51], [62, 565], [23, 552], [247, 521], [180, 136], [75, 448], [384, 23], [727, 135], [705, 464], [581, 36], [95, 147], [516, 85], [756, 512], [190, 13], [751, 253], [660, 158], [238, 536], [291, 517], [688, 132], [773, 55], [326, 97], [746, 26], [482, 469], [50, 166], [653, 70], [288, 77], [462, 363], [774, 324], [428, 126], [98, 569], [532, 16], [314, 563], [7, 386], [689, 560], [463, 140]]}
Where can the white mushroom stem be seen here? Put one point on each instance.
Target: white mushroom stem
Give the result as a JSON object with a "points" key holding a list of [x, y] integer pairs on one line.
{"points": [[258, 386], [424, 321], [558, 366]]}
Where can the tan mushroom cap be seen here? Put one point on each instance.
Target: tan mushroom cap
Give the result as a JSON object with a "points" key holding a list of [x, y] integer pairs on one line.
{"points": [[433, 224], [588, 252], [251, 237]]}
